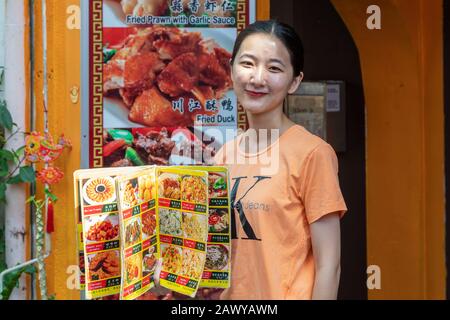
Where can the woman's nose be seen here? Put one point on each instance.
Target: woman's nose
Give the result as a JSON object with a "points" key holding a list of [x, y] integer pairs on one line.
{"points": [[258, 77]]}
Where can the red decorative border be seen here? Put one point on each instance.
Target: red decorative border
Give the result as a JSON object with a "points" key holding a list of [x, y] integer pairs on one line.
{"points": [[242, 21], [95, 84]]}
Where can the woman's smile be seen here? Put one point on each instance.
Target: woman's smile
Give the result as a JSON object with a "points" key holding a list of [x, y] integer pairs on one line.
{"points": [[255, 94]]}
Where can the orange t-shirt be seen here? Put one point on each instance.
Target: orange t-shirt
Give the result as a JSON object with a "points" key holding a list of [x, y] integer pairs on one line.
{"points": [[274, 204]]}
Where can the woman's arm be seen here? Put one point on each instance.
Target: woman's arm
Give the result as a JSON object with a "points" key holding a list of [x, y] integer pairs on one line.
{"points": [[326, 246]]}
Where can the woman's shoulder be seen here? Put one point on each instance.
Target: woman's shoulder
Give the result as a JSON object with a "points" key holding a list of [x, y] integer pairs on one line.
{"points": [[300, 140]]}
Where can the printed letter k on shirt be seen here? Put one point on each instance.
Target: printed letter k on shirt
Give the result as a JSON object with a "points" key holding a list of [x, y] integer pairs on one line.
{"points": [[246, 226]]}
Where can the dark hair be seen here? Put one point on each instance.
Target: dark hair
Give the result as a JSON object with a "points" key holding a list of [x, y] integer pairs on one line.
{"points": [[283, 32]]}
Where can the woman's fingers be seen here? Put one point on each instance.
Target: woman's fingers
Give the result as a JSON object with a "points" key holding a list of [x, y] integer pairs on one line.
{"points": [[157, 273], [158, 290]]}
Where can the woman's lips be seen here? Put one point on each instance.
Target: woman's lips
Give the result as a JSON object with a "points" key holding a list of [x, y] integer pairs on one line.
{"points": [[255, 94]]}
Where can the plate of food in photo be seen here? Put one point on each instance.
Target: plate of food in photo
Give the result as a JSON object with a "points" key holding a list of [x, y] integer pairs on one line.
{"points": [[172, 257], [132, 231], [129, 193], [104, 265], [194, 189], [146, 188], [195, 226], [192, 264], [165, 76], [133, 268], [217, 183], [99, 190], [159, 146], [148, 223], [170, 222], [102, 227], [218, 220], [216, 257], [148, 261], [169, 186]]}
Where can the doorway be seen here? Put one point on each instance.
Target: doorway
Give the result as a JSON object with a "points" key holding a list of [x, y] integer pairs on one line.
{"points": [[331, 54]]}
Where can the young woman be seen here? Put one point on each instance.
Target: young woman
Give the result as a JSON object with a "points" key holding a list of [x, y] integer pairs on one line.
{"points": [[286, 233], [284, 180]]}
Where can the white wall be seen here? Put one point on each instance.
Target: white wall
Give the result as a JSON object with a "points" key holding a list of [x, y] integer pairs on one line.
{"points": [[15, 93]]}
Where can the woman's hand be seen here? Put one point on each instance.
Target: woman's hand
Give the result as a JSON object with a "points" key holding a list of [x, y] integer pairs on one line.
{"points": [[161, 292], [166, 294]]}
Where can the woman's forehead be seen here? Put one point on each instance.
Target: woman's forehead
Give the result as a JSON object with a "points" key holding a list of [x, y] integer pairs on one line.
{"points": [[261, 45]]}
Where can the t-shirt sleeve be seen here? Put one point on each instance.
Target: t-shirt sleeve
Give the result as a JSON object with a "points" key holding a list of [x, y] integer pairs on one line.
{"points": [[319, 187]]}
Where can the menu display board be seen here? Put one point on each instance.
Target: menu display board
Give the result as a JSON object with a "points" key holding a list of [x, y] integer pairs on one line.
{"points": [[158, 80]]}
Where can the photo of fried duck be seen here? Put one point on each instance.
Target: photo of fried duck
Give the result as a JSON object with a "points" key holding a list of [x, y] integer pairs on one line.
{"points": [[158, 66], [104, 265]]}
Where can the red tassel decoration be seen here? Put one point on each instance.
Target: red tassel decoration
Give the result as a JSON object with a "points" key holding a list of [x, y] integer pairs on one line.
{"points": [[50, 224]]}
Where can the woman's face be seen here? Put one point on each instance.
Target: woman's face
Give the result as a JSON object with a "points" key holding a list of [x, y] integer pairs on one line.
{"points": [[262, 74]]}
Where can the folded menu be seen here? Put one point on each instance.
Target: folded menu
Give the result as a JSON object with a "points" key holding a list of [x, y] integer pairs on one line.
{"points": [[129, 217]]}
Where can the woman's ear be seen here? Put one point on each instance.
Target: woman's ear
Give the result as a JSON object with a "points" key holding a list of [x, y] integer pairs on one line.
{"points": [[295, 83]]}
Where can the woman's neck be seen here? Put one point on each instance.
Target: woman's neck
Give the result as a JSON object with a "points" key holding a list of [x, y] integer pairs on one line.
{"points": [[271, 120]]}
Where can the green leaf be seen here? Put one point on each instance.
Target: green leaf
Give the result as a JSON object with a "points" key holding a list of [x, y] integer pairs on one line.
{"points": [[30, 199], [4, 168], [27, 174], [2, 192], [19, 153], [6, 154], [29, 269], [51, 195], [219, 184], [108, 54], [11, 280], [5, 117], [15, 179]]}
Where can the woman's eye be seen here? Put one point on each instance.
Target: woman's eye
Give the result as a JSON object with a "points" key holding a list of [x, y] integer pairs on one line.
{"points": [[275, 69], [246, 63]]}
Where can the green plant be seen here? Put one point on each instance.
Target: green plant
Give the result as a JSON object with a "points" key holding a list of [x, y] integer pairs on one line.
{"points": [[11, 280], [12, 171]]}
